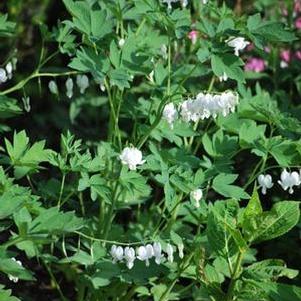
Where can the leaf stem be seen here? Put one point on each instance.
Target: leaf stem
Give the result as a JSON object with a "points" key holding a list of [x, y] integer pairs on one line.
{"points": [[234, 277], [35, 74], [56, 284], [61, 190]]}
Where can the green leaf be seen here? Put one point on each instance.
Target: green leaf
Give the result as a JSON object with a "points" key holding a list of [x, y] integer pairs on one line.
{"points": [[249, 133], [7, 28], [81, 15], [97, 186], [10, 203], [105, 272], [100, 25], [87, 60], [182, 22], [134, 187], [220, 145], [203, 54], [11, 267], [229, 64], [8, 107], [5, 295], [51, 221], [225, 24], [269, 269], [253, 208], [24, 158], [270, 30], [114, 54], [284, 151], [160, 73], [221, 240], [283, 217], [120, 78], [280, 292], [222, 185]]}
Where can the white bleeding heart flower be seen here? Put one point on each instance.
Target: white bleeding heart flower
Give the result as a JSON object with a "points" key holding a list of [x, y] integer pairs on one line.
{"points": [[265, 182], [144, 253], [3, 76], [69, 87], [117, 253], [131, 157], [121, 42], [184, 3], [53, 87], [169, 251], [82, 82], [9, 70], [170, 114], [196, 195], [129, 256], [238, 44], [289, 179], [181, 250], [169, 3], [158, 252], [223, 77]]}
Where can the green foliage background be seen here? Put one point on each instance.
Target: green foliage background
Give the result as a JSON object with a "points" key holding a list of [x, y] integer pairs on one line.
{"points": [[65, 198]]}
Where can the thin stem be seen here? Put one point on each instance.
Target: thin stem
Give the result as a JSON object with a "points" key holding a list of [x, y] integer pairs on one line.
{"points": [[130, 294], [56, 284], [13, 242], [169, 68], [81, 292], [101, 216], [140, 26], [112, 242], [35, 74], [116, 126], [110, 214], [112, 120], [61, 190], [234, 277], [81, 202]]}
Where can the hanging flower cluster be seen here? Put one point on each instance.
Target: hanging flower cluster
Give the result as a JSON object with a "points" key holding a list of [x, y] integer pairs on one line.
{"points": [[287, 181], [82, 82], [202, 107], [184, 3], [144, 253], [11, 277], [7, 72]]}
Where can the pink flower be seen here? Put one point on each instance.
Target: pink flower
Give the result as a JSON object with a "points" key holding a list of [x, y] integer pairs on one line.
{"points": [[298, 55], [285, 56], [267, 49], [298, 23], [297, 6], [255, 64], [193, 36]]}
